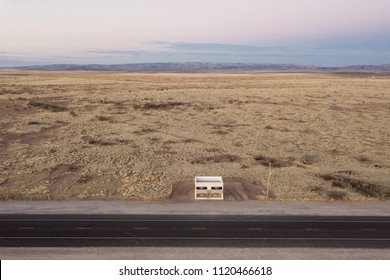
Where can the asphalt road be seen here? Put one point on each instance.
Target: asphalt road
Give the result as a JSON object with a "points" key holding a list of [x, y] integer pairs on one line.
{"points": [[193, 231]]}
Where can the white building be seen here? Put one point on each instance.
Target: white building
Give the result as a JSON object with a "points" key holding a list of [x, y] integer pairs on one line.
{"points": [[208, 187]]}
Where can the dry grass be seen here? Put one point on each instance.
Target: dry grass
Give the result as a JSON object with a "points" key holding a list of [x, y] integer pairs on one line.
{"points": [[80, 135]]}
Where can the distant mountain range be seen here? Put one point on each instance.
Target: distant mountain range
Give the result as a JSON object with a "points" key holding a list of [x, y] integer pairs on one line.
{"points": [[199, 67]]}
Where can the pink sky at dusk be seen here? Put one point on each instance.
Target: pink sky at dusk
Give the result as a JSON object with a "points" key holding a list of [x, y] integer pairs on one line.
{"points": [[39, 29]]}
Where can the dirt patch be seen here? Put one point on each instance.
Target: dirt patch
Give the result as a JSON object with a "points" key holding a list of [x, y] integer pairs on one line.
{"points": [[15, 107], [48, 106], [5, 182], [30, 138], [60, 169], [63, 174], [310, 159], [336, 195], [216, 159], [15, 90], [144, 131], [275, 162], [100, 142], [237, 190], [104, 118], [220, 132], [363, 159], [360, 186], [333, 194], [158, 106]]}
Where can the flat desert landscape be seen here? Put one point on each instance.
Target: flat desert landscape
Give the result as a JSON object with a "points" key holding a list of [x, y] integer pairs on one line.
{"points": [[133, 136]]}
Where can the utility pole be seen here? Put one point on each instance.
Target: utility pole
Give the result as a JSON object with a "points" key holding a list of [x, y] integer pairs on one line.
{"points": [[269, 178]]}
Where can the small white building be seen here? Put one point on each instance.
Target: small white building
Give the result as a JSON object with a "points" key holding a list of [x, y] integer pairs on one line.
{"points": [[208, 187]]}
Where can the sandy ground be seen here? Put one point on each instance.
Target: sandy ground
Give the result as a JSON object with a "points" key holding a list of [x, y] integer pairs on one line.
{"points": [[81, 135]]}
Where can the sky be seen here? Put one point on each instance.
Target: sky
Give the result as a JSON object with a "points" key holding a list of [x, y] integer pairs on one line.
{"points": [[309, 32]]}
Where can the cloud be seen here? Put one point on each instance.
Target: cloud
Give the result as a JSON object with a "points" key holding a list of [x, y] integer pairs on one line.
{"points": [[217, 48], [326, 53], [161, 51], [7, 53], [114, 52]]}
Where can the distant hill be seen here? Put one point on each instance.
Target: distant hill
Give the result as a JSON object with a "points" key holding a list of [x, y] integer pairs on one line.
{"points": [[200, 67]]}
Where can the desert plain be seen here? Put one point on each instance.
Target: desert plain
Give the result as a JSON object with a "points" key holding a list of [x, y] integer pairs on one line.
{"points": [[132, 136]]}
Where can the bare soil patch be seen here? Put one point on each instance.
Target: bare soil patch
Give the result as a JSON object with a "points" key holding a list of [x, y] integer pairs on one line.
{"points": [[47, 106], [275, 162], [216, 159], [234, 190], [30, 138], [361, 186], [158, 106]]}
